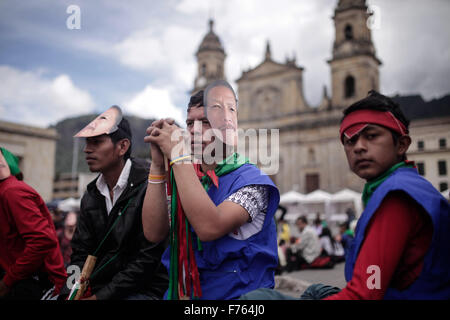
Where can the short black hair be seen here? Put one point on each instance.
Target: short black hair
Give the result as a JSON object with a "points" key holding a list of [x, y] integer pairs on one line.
{"points": [[345, 224], [377, 101], [123, 132], [196, 100], [302, 219]]}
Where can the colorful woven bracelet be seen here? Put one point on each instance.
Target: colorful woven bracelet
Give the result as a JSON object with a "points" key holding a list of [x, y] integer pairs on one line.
{"points": [[156, 177], [180, 158]]}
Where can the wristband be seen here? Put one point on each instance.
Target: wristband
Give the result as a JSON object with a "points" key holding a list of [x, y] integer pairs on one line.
{"points": [[156, 182], [180, 158], [156, 177]]}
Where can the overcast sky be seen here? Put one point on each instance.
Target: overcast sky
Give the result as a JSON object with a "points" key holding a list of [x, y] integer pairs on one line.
{"points": [[140, 54]]}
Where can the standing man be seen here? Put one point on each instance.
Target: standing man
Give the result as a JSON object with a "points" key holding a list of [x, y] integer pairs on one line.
{"points": [[229, 204], [109, 226], [29, 249]]}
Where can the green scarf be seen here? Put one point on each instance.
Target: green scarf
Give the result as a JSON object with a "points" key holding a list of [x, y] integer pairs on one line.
{"points": [[231, 163], [371, 186], [181, 254], [11, 160]]}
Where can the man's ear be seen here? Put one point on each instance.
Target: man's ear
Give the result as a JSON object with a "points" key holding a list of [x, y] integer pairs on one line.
{"points": [[123, 146], [403, 144]]}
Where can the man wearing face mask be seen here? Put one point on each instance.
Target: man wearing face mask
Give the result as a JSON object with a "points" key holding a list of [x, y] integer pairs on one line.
{"points": [[29, 249], [228, 205], [109, 227]]}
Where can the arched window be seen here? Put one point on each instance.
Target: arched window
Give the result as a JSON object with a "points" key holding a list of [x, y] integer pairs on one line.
{"points": [[349, 87], [203, 69], [348, 32]]}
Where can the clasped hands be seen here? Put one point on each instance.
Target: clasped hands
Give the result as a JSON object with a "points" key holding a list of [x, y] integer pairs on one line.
{"points": [[166, 139]]}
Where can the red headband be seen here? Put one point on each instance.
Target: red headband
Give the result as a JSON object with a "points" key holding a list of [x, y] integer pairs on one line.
{"points": [[356, 121]]}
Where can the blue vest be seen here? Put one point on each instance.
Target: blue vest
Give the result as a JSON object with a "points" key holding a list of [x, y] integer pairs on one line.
{"points": [[434, 279], [229, 267]]}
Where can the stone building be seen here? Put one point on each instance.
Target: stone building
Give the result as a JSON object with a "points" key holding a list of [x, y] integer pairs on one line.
{"points": [[67, 185], [310, 154], [354, 66], [430, 134], [271, 96], [35, 147], [430, 150], [210, 60]]}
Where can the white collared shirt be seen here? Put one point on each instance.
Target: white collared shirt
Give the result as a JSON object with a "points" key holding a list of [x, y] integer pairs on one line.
{"points": [[118, 188]]}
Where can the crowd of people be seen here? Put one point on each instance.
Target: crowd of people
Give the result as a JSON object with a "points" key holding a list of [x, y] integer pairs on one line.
{"points": [[199, 223], [315, 247]]}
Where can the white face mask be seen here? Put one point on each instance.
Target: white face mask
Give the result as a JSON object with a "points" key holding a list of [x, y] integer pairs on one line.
{"points": [[221, 111], [5, 172], [105, 123]]}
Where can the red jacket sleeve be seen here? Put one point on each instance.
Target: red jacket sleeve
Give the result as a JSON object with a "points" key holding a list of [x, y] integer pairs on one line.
{"points": [[35, 229], [393, 225]]}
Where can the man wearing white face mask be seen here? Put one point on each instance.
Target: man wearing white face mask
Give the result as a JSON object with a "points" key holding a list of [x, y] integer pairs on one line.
{"points": [[226, 206], [29, 249]]}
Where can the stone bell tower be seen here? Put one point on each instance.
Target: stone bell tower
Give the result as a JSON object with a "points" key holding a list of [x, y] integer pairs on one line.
{"points": [[354, 66], [210, 60]]}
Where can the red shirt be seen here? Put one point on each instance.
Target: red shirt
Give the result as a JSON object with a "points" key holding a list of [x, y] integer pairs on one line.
{"points": [[28, 242], [397, 239]]}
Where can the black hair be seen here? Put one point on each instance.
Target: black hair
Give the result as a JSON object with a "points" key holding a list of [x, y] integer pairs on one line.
{"points": [[302, 219], [123, 132], [196, 100], [326, 232], [317, 220], [345, 224], [377, 101]]}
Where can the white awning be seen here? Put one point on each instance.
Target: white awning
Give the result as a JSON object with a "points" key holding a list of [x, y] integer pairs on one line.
{"points": [[291, 197], [317, 196]]}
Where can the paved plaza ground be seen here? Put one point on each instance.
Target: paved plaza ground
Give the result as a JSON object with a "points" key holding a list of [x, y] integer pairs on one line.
{"points": [[294, 283]]}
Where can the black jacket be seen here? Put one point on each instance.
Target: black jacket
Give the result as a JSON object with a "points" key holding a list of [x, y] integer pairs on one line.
{"points": [[137, 267]]}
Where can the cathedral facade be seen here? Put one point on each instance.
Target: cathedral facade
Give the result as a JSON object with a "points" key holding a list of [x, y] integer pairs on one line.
{"points": [[271, 97]]}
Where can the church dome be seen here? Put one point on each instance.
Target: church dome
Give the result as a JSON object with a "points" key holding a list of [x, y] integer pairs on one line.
{"points": [[349, 4], [211, 41]]}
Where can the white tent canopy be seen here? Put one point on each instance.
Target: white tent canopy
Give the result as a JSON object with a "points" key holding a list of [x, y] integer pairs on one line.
{"points": [[317, 196], [331, 206], [345, 195], [291, 197]]}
